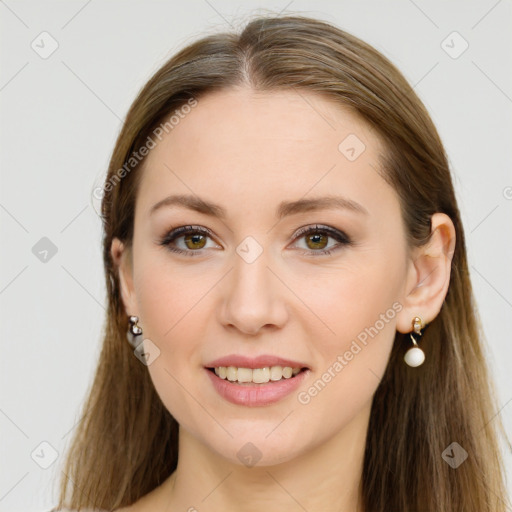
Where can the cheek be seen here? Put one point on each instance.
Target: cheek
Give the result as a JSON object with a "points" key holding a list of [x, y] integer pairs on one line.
{"points": [[167, 297], [170, 305], [362, 312], [359, 303], [172, 310], [356, 300]]}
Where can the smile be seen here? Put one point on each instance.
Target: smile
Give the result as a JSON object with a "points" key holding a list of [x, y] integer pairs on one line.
{"points": [[256, 387], [255, 375]]}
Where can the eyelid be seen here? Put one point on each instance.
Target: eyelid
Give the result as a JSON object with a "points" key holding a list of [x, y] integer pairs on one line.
{"points": [[178, 231], [319, 227]]}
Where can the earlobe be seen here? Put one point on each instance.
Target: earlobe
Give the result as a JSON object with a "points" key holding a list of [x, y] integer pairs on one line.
{"points": [[429, 274], [122, 258]]}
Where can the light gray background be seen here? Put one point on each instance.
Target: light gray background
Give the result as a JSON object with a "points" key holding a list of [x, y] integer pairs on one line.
{"points": [[59, 120]]}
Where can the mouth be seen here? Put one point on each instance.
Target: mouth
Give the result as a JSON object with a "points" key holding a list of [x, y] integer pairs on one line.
{"points": [[256, 387], [256, 376]]}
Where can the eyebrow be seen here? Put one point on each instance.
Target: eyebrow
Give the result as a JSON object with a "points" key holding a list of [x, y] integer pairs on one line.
{"points": [[284, 209]]}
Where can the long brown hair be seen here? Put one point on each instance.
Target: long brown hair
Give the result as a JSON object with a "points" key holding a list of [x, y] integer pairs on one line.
{"points": [[127, 442]]}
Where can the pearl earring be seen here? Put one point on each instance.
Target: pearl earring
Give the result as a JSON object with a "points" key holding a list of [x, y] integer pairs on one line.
{"points": [[415, 356]]}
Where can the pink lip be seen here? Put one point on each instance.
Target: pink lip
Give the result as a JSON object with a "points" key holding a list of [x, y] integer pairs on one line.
{"points": [[253, 362], [256, 395]]}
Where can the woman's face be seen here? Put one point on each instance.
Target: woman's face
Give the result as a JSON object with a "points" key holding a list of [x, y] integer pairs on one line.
{"points": [[257, 285]]}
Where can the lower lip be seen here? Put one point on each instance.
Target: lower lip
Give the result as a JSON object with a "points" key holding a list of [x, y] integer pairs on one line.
{"points": [[256, 395]]}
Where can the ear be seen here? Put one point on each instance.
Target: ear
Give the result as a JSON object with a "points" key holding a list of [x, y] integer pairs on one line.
{"points": [[122, 258], [428, 275]]}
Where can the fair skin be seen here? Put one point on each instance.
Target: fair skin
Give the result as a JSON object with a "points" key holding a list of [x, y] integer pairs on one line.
{"points": [[247, 152]]}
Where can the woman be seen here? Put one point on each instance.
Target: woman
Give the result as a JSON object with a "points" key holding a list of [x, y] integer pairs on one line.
{"points": [[291, 323]]}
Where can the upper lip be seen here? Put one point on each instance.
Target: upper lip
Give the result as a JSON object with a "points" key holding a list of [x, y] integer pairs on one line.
{"points": [[261, 361]]}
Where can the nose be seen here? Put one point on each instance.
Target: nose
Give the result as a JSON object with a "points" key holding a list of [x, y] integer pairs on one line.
{"points": [[253, 297]]}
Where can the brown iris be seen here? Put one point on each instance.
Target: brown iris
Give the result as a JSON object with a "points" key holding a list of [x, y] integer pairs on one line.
{"points": [[316, 240], [195, 239]]}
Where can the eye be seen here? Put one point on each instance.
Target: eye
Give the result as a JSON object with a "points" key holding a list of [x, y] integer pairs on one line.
{"points": [[317, 238], [194, 239], [190, 240]]}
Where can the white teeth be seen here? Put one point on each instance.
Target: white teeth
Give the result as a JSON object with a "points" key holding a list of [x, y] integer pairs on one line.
{"points": [[287, 372], [276, 373], [261, 375], [257, 375], [231, 373], [244, 375]]}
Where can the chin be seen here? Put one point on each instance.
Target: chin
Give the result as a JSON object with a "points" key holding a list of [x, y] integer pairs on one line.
{"points": [[255, 447]]}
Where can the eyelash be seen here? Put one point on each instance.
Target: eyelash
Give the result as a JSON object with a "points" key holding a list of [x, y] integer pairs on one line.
{"points": [[339, 236]]}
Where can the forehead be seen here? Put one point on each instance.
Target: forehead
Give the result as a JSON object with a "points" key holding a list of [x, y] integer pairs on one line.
{"points": [[256, 146]]}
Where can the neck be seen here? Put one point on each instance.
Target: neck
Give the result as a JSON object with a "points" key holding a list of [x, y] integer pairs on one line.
{"points": [[326, 477]]}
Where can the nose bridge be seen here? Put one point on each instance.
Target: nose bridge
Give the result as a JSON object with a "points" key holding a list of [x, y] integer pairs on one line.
{"points": [[253, 298], [250, 271]]}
